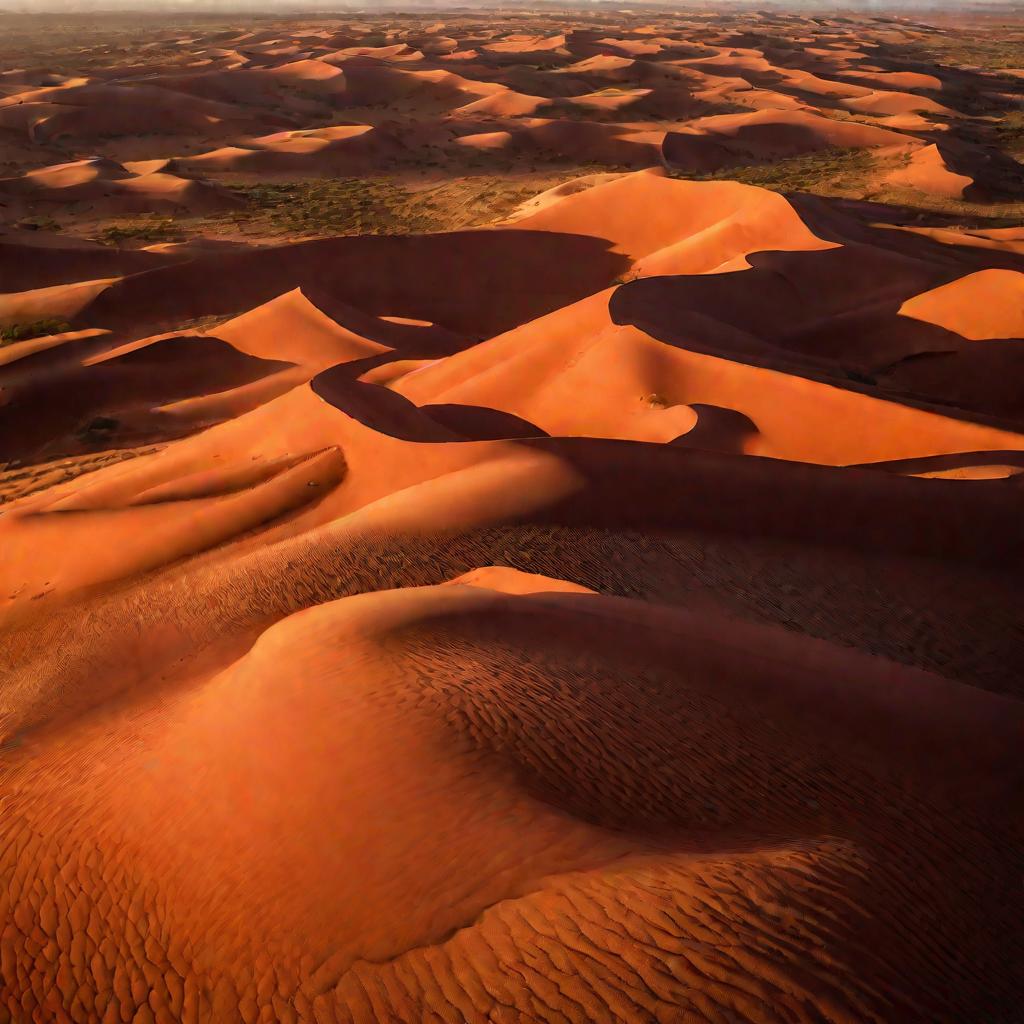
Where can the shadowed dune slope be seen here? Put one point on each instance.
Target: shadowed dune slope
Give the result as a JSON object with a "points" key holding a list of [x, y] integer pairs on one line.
{"points": [[445, 279]]}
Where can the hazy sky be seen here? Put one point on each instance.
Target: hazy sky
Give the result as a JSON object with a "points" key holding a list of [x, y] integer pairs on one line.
{"points": [[312, 6], [158, 5]]}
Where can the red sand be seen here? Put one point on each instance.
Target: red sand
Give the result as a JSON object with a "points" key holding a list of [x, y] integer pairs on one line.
{"points": [[610, 614]]}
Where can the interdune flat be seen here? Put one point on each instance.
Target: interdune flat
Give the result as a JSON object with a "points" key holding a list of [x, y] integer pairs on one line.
{"points": [[511, 517]]}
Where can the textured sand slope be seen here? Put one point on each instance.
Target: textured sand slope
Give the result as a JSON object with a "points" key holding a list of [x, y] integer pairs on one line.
{"points": [[546, 809]]}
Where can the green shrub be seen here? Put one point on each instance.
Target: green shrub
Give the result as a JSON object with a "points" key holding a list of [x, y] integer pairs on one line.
{"points": [[36, 329], [163, 230]]}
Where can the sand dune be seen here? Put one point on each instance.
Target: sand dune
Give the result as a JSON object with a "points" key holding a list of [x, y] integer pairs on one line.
{"points": [[37, 259], [606, 144], [110, 188], [94, 110], [628, 385], [536, 851], [609, 613], [125, 383], [702, 227], [291, 327], [986, 304], [442, 279], [344, 149], [711, 143], [64, 301], [928, 171]]}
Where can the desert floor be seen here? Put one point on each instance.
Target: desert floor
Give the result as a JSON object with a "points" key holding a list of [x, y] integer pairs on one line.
{"points": [[512, 517]]}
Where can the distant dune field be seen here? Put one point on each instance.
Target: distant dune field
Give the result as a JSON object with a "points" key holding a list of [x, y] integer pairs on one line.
{"points": [[512, 517]]}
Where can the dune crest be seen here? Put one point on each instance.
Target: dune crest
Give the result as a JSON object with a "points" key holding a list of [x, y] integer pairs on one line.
{"points": [[978, 306]]}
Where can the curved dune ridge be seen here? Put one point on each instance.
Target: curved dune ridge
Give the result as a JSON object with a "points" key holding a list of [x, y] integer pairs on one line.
{"points": [[927, 170], [608, 612]]}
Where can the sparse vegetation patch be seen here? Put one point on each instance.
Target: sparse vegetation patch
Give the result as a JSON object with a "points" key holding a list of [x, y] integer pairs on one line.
{"points": [[36, 329], [150, 230], [828, 172], [336, 206]]}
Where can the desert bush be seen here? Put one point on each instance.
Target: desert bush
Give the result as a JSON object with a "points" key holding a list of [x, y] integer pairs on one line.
{"points": [[36, 329], [163, 230]]}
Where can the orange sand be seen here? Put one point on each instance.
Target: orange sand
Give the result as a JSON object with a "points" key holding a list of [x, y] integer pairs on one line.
{"points": [[607, 615]]}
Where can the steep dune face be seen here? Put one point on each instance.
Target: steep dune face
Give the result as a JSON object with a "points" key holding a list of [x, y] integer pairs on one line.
{"points": [[688, 212], [291, 327], [609, 614], [928, 171], [987, 304], [619, 382]]}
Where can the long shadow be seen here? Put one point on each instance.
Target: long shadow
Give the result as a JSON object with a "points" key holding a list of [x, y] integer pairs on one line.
{"points": [[840, 307], [474, 282], [387, 412], [653, 486], [982, 377], [891, 215], [943, 463], [24, 267], [81, 405]]}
